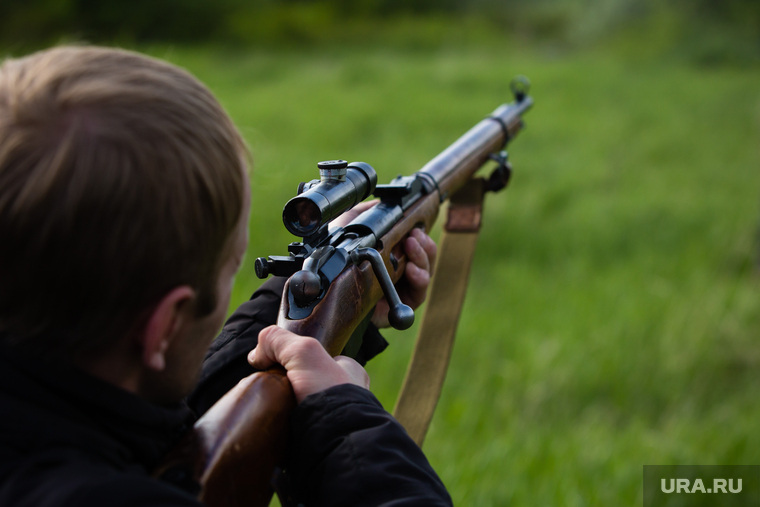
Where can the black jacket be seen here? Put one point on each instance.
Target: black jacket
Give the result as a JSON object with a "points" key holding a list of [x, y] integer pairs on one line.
{"points": [[67, 439]]}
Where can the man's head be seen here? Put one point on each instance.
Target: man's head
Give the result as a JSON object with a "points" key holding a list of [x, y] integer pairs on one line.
{"points": [[121, 179]]}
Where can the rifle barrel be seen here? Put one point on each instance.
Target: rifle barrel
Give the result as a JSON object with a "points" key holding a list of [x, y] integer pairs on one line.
{"points": [[455, 165]]}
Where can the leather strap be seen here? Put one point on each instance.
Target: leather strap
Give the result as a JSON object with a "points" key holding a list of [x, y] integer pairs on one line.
{"points": [[430, 360]]}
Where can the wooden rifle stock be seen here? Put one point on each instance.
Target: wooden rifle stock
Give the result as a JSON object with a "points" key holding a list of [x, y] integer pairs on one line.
{"points": [[237, 445]]}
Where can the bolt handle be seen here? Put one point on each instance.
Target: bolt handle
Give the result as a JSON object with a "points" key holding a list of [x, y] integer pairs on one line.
{"points": [[400, 316]]}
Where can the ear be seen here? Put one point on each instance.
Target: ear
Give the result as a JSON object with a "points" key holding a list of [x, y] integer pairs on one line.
{"points": [[163, 326]]}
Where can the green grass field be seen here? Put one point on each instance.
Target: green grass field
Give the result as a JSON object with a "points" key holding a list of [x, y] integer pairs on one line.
{"points": [[613, 314]]}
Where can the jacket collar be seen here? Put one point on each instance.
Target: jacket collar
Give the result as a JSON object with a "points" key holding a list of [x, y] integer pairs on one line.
{"points": [[59, 405]]}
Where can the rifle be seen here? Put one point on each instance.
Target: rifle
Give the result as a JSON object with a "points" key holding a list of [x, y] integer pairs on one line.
{"points": [[336, 277]]}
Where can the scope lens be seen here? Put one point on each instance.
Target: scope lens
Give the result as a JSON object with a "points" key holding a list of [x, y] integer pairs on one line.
{"points": [[302, 217]]}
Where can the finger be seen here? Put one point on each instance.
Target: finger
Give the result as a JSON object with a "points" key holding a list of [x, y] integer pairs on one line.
{"points": [[364, 206], [278, 346], [417, 277], [261, 356], [427, 244], [354, 212], [354, 370], [415, 254]]}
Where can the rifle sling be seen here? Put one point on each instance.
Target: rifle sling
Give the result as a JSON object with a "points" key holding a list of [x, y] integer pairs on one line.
{"points": [[435, 341]]}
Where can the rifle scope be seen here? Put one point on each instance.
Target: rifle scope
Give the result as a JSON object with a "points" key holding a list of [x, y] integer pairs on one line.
{"points": [[341, 187]]}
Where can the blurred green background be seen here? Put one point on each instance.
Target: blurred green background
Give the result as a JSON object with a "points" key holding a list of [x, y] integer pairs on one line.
{"points": [[613, 314]]}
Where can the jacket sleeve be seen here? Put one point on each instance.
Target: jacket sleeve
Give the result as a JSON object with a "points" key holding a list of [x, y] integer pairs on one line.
{"points": [[347, 450], [226, 361]]}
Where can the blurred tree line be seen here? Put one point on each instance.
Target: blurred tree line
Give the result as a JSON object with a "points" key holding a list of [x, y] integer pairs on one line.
{"points": [[716, 29]]}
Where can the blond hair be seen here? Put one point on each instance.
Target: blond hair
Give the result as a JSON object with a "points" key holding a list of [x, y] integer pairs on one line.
{"points": [[121, 177]]}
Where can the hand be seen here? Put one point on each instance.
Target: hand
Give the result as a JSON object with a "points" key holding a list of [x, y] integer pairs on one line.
{"points": [[310, 368], [346, 218], [420, 252]]}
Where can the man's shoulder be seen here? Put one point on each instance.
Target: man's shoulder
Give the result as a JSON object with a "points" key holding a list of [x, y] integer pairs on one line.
{"points": [[65, 477]]}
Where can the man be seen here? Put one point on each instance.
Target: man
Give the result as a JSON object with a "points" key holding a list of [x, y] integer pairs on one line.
{"points": [[123, 219]]}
